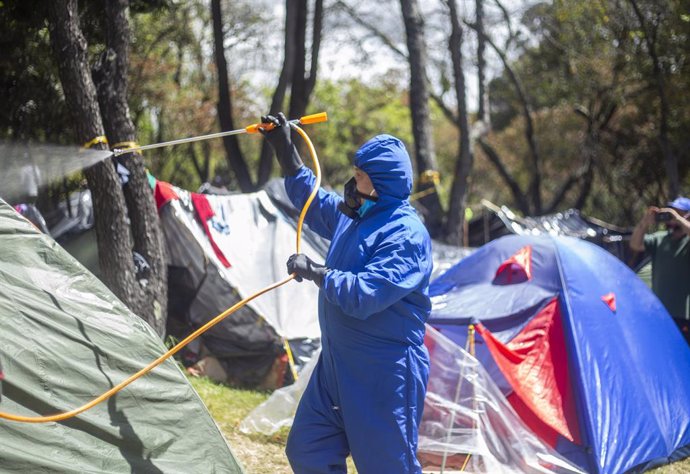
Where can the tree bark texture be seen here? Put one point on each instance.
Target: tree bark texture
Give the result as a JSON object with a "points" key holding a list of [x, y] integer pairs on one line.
{"points": [[419, 108], [482, 112], [463, 164], [113, 234], [299, 70], [233, 152], [289, 48], [148, 299], [303, 81]]}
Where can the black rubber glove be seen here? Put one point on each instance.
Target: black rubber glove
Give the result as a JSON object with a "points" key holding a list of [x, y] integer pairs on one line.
{"points": [[306, 269], [281, 141]]}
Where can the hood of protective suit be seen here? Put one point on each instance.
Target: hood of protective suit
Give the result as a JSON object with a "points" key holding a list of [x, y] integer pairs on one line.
{"points": [[385, 159]]}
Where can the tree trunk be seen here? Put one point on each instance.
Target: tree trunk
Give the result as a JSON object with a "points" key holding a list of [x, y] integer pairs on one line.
{"points": [[202, 166], [303, 82], [114, 240], [297, 91], [482, 112], [233, 152], [266, 158], [419, 108], [149, 299], [463, 165]]}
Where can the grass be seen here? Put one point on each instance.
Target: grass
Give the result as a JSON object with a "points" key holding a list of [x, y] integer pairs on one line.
{"points": [[261, 454], [228, 406], [680, 467]]}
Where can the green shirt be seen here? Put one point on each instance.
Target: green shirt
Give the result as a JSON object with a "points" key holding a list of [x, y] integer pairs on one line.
{"points": [[670, 271]]}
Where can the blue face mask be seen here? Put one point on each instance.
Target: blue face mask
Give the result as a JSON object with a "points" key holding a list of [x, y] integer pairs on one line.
{"points": [[364, 208]]}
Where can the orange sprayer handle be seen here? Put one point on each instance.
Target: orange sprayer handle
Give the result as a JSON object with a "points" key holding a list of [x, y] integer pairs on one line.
{"points": [[314, 118], [306, 120]]}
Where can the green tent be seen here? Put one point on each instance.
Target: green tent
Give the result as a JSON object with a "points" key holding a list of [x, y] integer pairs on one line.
{"points": [[65, 339]]}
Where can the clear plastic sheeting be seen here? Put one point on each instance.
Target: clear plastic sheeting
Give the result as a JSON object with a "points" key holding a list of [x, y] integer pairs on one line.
{"points": [[279, 409], [466, 420], [469, 425]]}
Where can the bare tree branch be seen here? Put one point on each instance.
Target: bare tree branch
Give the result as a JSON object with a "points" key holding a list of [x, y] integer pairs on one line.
{"points": [[534, 163], [377, 33], [509, 23], [371, 28], [455, 228], [573, 179], [514, 187]]}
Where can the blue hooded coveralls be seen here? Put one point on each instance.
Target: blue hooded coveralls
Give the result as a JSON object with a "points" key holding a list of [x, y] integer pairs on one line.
{"points": [[366, 394]]}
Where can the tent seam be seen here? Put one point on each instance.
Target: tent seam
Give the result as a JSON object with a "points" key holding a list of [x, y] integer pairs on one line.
{"points": [[572, 341]]}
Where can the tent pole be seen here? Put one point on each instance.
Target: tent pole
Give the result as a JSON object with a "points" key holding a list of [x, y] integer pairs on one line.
{"points": [[291, 359], [469, 346]]}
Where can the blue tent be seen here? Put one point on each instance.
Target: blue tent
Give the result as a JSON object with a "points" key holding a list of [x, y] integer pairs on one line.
{"points": [[584, 351]]}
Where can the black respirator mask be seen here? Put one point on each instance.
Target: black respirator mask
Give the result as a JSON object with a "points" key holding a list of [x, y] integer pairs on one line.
{"points": [[351, 204]]}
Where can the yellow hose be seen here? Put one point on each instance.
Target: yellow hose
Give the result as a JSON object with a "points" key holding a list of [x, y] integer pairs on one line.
{"points": [[198, 332]]}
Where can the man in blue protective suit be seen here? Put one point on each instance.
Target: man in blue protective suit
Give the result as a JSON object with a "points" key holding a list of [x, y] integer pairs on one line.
{"points": [[366, 394]]}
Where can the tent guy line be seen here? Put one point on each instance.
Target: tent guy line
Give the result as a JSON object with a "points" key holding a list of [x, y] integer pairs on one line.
{"points": [[104, 396]]}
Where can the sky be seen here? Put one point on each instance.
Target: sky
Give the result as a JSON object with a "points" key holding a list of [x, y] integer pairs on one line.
{"points": [[343, 47], [349, 50]]}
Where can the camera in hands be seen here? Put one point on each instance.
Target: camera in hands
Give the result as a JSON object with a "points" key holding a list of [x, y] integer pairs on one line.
{"points": [[663, 216]]}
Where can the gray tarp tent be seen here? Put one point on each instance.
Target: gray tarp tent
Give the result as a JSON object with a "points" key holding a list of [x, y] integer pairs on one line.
{"points": [[64, 339], [495, 222]]}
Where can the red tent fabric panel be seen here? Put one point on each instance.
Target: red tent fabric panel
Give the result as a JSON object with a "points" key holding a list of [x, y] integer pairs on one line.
{"points": [[163, 193], [519, 265], [535, 364], [204, 212]]}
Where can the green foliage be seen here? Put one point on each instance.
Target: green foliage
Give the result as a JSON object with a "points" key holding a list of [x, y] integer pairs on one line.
{"points": [[32, 104], [589, 59], [356, 113], [173, 92]]}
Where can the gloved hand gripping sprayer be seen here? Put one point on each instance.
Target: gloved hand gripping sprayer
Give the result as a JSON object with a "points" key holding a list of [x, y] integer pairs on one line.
{"points": [[254, 128]]}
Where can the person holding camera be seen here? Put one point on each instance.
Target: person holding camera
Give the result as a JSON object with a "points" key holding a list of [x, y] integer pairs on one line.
{"points": [[670, 252]]}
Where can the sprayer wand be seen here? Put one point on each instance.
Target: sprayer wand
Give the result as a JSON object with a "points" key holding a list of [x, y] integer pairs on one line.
{"points": [[254, 128]]}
